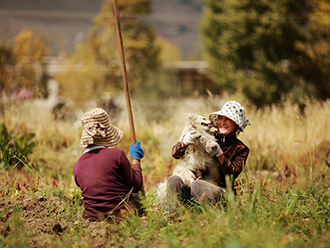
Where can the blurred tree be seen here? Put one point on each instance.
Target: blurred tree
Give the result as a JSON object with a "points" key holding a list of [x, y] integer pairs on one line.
{"points": [[22, 66], [252, 45], [6, 64], [95, 68], [314, 60], [168, 51]]}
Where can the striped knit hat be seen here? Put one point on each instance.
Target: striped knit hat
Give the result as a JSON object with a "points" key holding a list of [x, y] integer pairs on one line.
{"points": [[98, 130]]}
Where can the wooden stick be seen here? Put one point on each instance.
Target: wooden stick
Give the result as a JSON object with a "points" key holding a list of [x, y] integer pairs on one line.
{"points": [[123, 66]]}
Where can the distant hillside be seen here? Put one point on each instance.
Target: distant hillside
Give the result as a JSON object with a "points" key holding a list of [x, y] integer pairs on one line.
{"points": [[54, 5], [175, 20]]}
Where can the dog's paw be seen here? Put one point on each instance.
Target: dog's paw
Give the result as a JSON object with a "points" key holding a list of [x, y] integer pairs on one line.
{"points": [[196, 135], [211, 147]]}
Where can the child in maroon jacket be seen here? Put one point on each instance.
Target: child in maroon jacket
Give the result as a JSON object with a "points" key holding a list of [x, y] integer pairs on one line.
{"points": [[105, 175]]}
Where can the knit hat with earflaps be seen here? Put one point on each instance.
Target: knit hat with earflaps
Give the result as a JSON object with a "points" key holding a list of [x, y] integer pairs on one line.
{"points": [[234, 111], [98, 130]]}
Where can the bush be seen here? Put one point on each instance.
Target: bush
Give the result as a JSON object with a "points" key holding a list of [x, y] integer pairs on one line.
{"points": [[15, 149]]}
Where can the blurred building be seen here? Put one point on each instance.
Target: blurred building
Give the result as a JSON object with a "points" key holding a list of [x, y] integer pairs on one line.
{"points": [[195, 74], [185, 74]]}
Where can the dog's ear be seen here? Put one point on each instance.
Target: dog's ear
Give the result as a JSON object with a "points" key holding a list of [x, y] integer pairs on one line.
{"points": [[193, 120], [189, 116]]}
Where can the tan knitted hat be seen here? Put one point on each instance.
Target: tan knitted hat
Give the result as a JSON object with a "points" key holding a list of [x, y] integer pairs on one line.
{"points": [[98, 130]]}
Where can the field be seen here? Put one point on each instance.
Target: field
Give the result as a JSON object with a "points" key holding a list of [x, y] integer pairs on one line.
{"points": [[283, 193]]}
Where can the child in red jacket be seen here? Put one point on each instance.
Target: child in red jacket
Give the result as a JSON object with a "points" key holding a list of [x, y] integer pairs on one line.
{"points": [[105, 176]]}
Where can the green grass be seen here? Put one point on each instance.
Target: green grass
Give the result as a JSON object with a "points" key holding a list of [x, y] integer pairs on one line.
{"points": [[40, 205], [269, 214]]}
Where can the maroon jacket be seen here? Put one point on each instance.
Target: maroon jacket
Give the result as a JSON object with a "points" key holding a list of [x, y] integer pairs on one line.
{"points": [[106, 177], [235, 154]]}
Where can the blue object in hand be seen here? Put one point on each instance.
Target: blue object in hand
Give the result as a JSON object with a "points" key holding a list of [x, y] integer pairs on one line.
{"points": [[136, 151]]}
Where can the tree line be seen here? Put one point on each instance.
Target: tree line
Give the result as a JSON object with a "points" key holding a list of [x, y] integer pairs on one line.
{"points": [[269, 49], [265, 49]]}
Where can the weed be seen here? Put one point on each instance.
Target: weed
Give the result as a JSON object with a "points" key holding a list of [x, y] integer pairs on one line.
{"points": [[14, 148]]}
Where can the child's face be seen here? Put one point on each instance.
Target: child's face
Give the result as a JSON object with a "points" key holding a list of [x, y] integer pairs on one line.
{"points": [[225, 125]]}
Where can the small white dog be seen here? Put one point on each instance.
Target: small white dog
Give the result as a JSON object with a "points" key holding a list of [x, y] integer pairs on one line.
{"points": [[198, 156]]}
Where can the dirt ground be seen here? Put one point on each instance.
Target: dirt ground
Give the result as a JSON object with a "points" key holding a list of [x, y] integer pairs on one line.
{"points": [[39, 220]]}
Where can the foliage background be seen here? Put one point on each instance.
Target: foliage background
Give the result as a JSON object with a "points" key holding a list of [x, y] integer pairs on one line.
{"points": [[268, 49]]}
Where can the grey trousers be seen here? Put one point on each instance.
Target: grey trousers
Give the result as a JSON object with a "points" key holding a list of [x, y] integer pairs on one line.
{"points": [[201, 190]]}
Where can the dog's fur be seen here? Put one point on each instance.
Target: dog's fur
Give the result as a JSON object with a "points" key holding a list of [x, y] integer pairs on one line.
{"points": [[195, 160]]}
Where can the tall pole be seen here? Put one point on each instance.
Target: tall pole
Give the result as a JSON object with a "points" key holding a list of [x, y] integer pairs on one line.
{"points": [[123, 66]]}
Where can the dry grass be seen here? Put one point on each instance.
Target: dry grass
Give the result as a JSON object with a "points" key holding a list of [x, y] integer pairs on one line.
{"points": [[279, 136], [284, 136]]}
